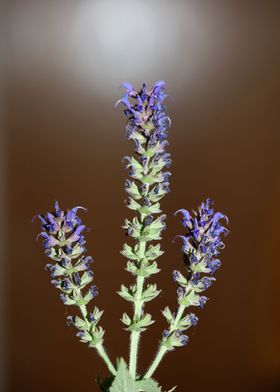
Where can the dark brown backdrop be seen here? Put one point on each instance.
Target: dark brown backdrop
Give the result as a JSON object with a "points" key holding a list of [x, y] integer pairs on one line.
{"points": [[220, 60]]}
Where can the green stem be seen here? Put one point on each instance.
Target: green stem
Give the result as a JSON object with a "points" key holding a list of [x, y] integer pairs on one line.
{"points": [[179, 315], [138, 308], [158, 358], [102, 353], [162, 350], [99, 347]]}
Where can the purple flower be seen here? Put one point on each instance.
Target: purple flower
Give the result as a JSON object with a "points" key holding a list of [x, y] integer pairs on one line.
{"points": [[203, 242], [147, 127], [64, 243], [201, 245]]}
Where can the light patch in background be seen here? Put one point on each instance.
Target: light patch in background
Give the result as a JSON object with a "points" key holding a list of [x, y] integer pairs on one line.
{"points": [[113, 41], [99, 44]]}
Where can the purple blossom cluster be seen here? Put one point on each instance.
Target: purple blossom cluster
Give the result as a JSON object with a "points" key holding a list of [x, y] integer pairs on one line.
{"points": [[201, 247], [147, 126], [64, 242], [202, 242]]}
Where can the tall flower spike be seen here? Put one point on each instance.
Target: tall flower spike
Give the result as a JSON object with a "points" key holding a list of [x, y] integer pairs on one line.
{"points": [[147, 127], [64, 243], [201, 247]]}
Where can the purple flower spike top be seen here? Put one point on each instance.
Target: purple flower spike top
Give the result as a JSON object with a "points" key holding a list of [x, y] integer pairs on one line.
{"points": [[202, 242], [201, 246], [64, 242], [145, 110]]}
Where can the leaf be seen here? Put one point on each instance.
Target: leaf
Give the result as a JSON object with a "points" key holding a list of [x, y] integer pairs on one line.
{"points": [[148, 385], [123, 381]]}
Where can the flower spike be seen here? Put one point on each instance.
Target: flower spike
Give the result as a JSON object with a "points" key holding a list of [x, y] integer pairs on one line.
{"points": [[201, 246], [149, 181], [64, 243]]}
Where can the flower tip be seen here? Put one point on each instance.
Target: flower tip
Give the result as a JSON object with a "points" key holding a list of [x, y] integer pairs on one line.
{"points": [[177, 236], [159, 83], [127, 86]]}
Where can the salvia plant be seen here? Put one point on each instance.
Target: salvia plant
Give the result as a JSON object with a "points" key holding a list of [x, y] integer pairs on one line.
{"points": [[70, 267]]}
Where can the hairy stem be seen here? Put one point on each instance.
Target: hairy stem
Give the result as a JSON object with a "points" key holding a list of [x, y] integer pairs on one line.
{"points": [[163, 349], [102, 353], [99, 347], [138, 309], [158, 358]]}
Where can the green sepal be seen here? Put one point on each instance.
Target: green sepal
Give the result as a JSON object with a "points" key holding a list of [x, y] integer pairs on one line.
{"points": [[184, 323], [144, 268], [141, 324], [153, 231], [147, 180], [86, 278], [133, 191], [86, 338], [126, 320], [135, 164], [133, 205], [54, 255], [132, 268], [123, 382], [97, 314], [189, 299], [77, 251], [128, 252], [97, 336], [153, 252], [150, 293], [181, 280], [153, 209], [172, 341], [168, 315], [136, 227], [201, 266], [81, 324], [127, 293], [156, 196], [69, 300], [156, 167]]}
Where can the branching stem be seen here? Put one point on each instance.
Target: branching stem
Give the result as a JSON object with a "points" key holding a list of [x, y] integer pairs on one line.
{"points": [[163, 349]]}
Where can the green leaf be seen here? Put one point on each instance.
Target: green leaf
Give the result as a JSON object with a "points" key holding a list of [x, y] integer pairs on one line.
{"points": [[148, 385], [123, 381]]}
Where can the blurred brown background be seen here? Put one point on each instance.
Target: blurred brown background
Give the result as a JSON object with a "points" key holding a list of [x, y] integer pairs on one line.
{"points": [[64, 63]]}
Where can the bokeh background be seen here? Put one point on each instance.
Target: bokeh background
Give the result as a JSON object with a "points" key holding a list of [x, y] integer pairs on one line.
{"points": [[64, 62]]}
